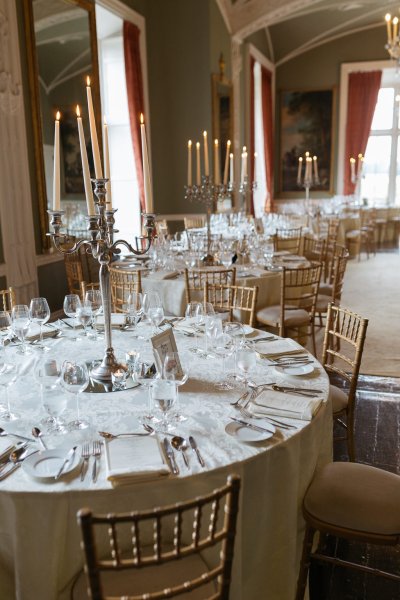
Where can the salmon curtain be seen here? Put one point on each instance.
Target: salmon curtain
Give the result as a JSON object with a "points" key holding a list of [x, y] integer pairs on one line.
{"points": [[134, 88], [267, 112], [361, 101]]}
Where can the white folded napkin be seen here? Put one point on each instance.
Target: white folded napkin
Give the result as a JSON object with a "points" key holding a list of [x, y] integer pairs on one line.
{"points": [[278, 347], [270, 402], [134, 459], [34, 332], [161, 275]]}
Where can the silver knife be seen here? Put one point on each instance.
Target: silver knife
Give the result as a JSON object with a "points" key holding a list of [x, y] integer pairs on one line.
{"points": [[171, 456], [195, 449], [67, 459], [251, 426]]}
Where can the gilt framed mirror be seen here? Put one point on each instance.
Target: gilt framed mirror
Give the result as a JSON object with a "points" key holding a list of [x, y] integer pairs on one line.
{"points": [[222, 110], [61, 52]]}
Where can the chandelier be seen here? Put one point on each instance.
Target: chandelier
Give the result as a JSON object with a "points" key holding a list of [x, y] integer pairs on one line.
{"points": [[393, 41]]}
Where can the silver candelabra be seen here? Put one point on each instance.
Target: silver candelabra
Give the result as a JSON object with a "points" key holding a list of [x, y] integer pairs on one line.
{"points": [[245, 189], [100, 244]]}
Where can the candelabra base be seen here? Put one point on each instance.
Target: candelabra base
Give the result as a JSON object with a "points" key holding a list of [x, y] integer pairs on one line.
{"points": [[108, 365]]}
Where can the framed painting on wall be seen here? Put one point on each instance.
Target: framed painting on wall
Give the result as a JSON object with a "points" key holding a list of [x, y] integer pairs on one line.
{"points": [[306, 125]]}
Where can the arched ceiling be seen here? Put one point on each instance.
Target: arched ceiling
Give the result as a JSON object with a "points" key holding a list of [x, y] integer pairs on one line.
{"points": [[295, 26]]}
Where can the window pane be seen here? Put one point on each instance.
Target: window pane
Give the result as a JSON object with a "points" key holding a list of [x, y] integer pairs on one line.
{"points": [[383, 115], [375, 181]]}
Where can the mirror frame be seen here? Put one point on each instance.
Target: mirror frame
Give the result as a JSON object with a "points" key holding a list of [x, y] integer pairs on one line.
{"points": [[32, 62]]}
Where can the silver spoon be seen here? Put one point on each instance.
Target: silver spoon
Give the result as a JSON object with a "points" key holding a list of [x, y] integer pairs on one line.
{"points": [[38, 435], [111, 436], [179, 443], [4, 433]]}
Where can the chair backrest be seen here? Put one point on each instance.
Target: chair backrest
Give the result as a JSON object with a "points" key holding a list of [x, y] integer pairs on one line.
{"points": [[74, 271], [344, 338], [218, 510], [299, 289], [287, 239], [338, 251], [8, 299], [314, 249], [123, 282], [194, 222], [233, 297], [88, 286], [195, 280], [338, 272]]}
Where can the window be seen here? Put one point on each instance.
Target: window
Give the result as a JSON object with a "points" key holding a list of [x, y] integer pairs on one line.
{"points": [[381, 170]]}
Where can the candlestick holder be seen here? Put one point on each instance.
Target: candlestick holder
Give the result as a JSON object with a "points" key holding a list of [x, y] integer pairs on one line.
{"points": [[100, 244], [207, 193]]}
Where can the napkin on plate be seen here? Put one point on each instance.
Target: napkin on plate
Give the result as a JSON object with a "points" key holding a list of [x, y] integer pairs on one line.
{"points": [[134, 459], [279, 347], [270, 402]]}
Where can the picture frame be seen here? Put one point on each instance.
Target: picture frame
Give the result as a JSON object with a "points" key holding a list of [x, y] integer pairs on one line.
{"points": [[306, 125], [163, 343]]}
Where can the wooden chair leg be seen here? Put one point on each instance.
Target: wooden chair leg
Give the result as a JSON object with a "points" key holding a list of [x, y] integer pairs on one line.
{"points": [[350, 438], [313, 339], [305, 562]]}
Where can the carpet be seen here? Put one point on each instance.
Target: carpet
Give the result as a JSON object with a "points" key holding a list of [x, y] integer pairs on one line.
{"points": [[372, 289]]}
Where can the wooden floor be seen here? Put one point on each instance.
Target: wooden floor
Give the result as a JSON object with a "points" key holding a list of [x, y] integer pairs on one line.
{"points": [[377, 429]]}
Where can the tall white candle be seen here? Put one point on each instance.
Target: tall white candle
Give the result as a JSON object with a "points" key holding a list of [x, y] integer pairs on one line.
{"points": [[395, 27], [148, 196], [189, 173], [388, 19], [93, 132], [85, 166], [107, 170], [206, 163], [353, 168], [228, 147], [217, 173], [299, 168], [315, 163], [56, 173], [359, 161], [198, 163], [244, 165], [231, 176]]}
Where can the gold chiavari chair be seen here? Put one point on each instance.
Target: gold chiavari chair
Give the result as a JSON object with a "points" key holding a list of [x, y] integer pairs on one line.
{"points": [[287, 239], [333, 292], [7, 299], [195, 280], [314, 249], [229, 298], [363, 238], [123, 282], [165, 568], [74, 272], [296, 312], [342, 351], [194, 222], [338, 251]]}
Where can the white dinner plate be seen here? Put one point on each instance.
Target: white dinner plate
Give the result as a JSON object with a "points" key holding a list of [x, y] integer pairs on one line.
{"points": [[46, 464], [296, 370], [246, 434]]}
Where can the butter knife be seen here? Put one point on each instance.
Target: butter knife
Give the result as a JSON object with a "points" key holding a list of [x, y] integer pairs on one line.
{"points": [[251, 426], [171, 457], [195, 449], [69, 456]]}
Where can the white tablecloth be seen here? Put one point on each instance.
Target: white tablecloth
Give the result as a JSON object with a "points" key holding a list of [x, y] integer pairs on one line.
{"points": [[39, 538]]}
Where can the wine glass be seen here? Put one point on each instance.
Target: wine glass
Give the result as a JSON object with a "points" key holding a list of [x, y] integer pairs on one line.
{"points": [[21, 320], [246, 360], [40, 313], [155, 311], [163, 397], [85, 315], [75, 379], [213, 327], [208, 312], [47, 374], [134, 309], [93, 297], [223, 347], [236, 332], [71, 304], [8, 376], [194, 313], [176, 368]]}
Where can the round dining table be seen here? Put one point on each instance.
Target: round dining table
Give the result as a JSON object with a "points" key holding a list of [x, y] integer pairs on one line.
{"points": [[40, 554]]}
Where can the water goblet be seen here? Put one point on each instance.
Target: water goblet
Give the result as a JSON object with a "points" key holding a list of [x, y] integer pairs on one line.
{"points": [[246, 360], [71, 304], [93, 297], [176, 368], [163, 397], [85, 315], [134, 309], [213, 328], [75, 379], [155, 312], [236, 332], [8, 376], [48, 374], [194, 313], [40, 313], [20, 319], [223, 347]]}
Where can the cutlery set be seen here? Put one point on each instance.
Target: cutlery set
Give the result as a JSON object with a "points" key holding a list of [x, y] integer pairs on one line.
{"points": [[94, 451], [180, 444]]}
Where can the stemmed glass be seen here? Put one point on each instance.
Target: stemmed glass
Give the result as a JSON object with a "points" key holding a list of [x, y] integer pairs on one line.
{"points": [[71, 304], [21, 319], [236, 332], [163, 394], [8, 376], [93, 297], [208, 315], [246, 360], [40, 313], [195, 314], [134, 309], [176, 368], [213, 328], [155, 310], [85, 315], [75, 379], [223, 347], [47, 374]]}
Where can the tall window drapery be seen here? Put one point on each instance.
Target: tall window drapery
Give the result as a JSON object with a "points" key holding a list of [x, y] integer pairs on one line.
{"points": [[134, 87], [361, 100], [267, 112], [252, 142]]}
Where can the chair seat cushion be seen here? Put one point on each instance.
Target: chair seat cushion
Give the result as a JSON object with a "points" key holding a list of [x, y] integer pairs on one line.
{"points": [[325, 289], [322, 303], [141, 581], [293, 318], [338, 398], [357, 497]]}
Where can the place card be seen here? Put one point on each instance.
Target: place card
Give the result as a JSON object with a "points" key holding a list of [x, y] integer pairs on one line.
{"points": [[164, 343]]}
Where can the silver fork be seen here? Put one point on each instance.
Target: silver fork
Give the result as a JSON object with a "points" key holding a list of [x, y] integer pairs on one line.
{"points": [[96, 452], [248, 415], [85, 453]]}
